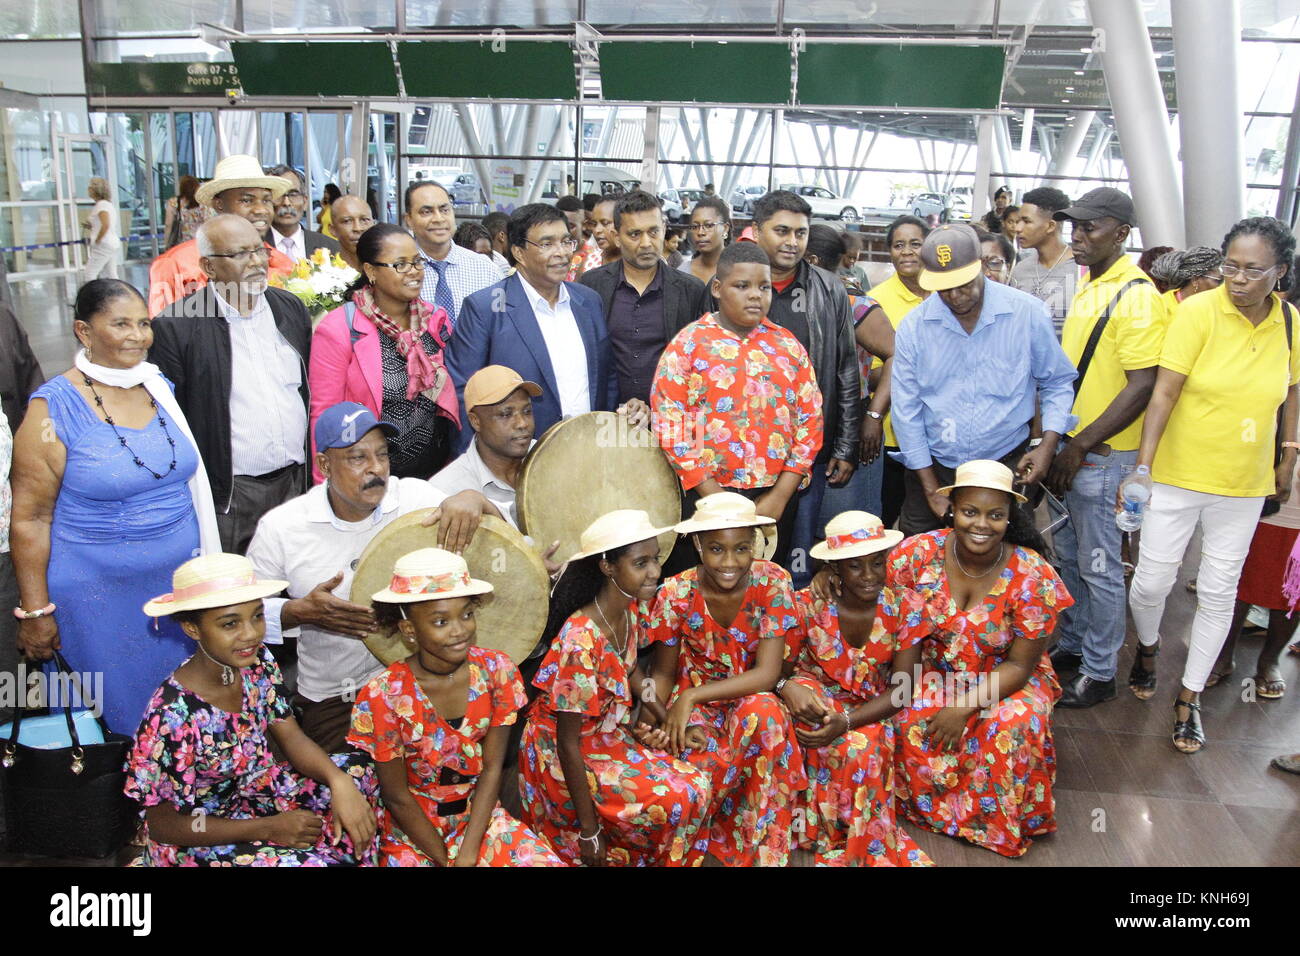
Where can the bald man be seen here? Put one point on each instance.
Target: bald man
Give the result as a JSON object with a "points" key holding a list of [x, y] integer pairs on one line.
{"points": [[352, 217], [237, 352]]}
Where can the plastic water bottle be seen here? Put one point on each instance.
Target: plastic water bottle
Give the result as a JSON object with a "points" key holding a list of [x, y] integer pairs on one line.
{"points": [[1135, 493]]}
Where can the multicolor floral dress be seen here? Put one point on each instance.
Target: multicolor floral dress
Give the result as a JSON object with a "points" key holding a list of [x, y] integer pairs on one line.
{"points": [[650, 805], [847, 811], [394, 720], [205, 761], [752, 755], [995, 788]]}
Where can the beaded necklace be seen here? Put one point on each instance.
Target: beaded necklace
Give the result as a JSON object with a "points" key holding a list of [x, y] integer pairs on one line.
{"points": [[162, 423]]}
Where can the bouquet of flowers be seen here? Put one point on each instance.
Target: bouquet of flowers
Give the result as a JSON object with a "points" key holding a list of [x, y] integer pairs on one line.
{"points": [[319, 282]]}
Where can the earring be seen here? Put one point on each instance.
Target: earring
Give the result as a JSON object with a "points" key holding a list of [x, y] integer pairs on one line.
{"points": [[88, 355]]}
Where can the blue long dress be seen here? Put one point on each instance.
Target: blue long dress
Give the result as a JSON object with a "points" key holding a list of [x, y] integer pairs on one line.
{"points": [[118, 534]]}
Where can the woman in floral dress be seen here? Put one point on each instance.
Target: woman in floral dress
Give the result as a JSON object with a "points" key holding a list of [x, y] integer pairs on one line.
{"points": [[718, 680], [975, 756], [202, 767], [601, 790], [437, 725], [846, 676]]}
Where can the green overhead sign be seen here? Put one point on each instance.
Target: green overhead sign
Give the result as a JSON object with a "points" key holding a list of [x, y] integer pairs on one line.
{"points": [[316, 69], [680, 72], [914, 76], [500, 69], [147, 78]]}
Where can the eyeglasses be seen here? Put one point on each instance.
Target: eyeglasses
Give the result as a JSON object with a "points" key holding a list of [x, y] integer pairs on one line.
{"points": [[242, 256], [402, 265], [293, 195], [1228, 272], [568, 244], [995, 263], [704, 226]]}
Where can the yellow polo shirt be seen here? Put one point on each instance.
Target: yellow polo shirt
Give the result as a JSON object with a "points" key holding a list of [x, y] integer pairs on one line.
{"points": [[1220, 436], [897, 300], [1131, 340]]}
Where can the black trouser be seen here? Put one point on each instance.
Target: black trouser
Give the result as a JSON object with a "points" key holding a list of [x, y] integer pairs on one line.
{"points": [[250, 498], [917, 516], [893, 488]]}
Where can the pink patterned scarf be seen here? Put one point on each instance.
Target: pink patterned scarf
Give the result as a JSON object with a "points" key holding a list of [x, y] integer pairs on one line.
{"points": [[425, 373]]}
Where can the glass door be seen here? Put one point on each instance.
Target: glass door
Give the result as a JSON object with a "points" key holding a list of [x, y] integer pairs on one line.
{"points": [[84, 157]]}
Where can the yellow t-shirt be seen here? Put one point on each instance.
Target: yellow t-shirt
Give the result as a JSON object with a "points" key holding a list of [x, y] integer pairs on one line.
{"points": [[1220, 436], [896, 300], [1131, 340]]}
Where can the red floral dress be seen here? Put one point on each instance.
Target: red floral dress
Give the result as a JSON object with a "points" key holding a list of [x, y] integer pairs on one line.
{"points": [[650, 805], [394, 720], [847, 811], [752, 755], [995, 788]]}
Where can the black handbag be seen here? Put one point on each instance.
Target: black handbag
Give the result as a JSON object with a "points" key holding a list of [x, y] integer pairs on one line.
{"points": [[173, 237], [67, 801]]}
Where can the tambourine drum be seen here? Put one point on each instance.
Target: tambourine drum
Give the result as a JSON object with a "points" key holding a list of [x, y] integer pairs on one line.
{"points": [[587, 466], [512, 621]]}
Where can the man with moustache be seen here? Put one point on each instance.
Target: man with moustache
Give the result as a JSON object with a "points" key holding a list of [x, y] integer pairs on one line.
{"points": [[239, 188], [351, 218], [236, 352], [287, 233], [646, 303], [314, 541]]}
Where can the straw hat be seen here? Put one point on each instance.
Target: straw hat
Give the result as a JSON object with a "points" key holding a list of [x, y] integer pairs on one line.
{"points": [[213, 580], [431, 574], [852, 534], [614, 530], [727, 509], [982, 473], [236, 171]]}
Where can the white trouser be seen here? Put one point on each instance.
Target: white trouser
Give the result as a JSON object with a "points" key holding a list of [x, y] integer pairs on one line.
{"points": [[1227, 526], [102, 262]]}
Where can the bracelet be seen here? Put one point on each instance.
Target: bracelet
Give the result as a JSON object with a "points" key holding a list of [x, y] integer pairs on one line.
{"points": [[1291, 444], [779, 685], [847, 723], [594, 839], [32, 615]]}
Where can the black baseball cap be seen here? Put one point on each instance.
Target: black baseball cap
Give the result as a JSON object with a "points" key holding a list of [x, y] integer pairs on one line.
{"points": [[1102, 201]]}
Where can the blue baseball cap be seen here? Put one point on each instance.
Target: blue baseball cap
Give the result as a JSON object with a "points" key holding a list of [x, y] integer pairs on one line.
{"points": [[345, 424]]}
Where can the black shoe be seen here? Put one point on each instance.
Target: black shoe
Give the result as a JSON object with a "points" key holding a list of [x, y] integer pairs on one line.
{"points": [[1085, 691], [1063, 661]]}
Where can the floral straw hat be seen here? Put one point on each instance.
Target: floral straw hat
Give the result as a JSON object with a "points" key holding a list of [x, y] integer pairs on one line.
{"points": [[431, 574], [852, 534], [213, 580], [727, 509], [982, 473], [614, 530]]}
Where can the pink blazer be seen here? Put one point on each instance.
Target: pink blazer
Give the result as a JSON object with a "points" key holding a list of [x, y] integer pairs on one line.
{"points": [[342, 370]]}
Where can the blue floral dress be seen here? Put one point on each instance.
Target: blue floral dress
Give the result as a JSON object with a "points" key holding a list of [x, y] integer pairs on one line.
{"points": [[206, 761]]}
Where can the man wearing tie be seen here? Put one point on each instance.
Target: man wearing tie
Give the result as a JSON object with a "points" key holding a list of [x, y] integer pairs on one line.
{"points": [[287, 232], [450, 272]]}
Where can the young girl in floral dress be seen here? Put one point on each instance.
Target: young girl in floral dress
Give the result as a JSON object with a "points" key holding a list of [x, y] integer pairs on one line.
{"points": [[975, 756], [721, 629], [846, 676], [437, 725], [202, 766], [599, 788]]}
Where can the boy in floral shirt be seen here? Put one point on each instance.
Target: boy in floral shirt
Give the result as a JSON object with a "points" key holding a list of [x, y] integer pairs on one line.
{"points": [[735, 405]]}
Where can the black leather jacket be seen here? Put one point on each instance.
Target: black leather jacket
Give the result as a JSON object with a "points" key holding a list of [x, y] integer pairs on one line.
{"points": [[832, 350]]}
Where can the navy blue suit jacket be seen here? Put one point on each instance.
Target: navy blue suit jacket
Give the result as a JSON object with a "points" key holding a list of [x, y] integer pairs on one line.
{"points": [[496, 326]]}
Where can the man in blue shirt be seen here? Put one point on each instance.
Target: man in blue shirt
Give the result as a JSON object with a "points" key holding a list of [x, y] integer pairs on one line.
{"points": [[968, 365]]}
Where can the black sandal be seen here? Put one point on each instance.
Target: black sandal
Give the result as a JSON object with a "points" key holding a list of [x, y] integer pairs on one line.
{"points": [[1142, 682], [1189, 729]]}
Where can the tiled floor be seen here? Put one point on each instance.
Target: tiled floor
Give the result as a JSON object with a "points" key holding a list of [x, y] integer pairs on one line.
{"points": [[1124, 796]]}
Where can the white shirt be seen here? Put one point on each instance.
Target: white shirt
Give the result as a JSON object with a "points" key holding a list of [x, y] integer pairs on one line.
{"points": [[295, 246], [303, 542], [500, 262], [268, 422], [110, 237], [567, 351], [470, 473]]}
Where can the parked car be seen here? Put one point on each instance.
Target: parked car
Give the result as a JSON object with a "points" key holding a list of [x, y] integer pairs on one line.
{"points": [[743, 199], [924, 205], [466, 190], [607, 181], [959, 203], [678, 203], [825, 204]]}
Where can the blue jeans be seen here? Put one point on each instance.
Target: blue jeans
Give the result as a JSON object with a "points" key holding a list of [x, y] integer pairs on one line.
{"points": [[808, 509], [862, 493], [1088, 556]]}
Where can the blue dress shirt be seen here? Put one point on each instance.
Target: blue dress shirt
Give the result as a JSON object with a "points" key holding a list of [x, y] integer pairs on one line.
{"points": [[958, 396]]}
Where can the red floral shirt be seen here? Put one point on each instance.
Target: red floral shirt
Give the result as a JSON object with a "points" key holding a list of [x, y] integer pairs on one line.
{"points": [[740, 411]]}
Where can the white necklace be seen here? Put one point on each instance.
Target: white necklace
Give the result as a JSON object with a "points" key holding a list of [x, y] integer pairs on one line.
{"points": [[613, 634]]}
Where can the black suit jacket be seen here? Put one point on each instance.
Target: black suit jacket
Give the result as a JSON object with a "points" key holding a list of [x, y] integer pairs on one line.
{"points": [[685, 297], [312, 240], [191, 346]]}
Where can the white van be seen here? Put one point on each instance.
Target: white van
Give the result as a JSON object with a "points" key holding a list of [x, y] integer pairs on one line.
{"points": [[607, 181]]}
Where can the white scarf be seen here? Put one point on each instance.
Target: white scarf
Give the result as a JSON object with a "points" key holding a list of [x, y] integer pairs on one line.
{"points": [[148, 375]]}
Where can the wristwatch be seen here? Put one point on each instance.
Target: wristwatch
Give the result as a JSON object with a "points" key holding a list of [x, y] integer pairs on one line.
{"points": [[876, 415], [1034, 443]]}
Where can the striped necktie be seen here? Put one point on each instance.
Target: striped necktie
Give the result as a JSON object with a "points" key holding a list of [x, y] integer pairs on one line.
{"points": [[442, 298]]}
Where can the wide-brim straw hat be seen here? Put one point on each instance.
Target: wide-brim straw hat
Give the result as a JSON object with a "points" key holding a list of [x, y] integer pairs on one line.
{"points": [[853, 534], [238, 171], [982, 473], [727, 509], [614, 530], [431, 574], [213, 580]]}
